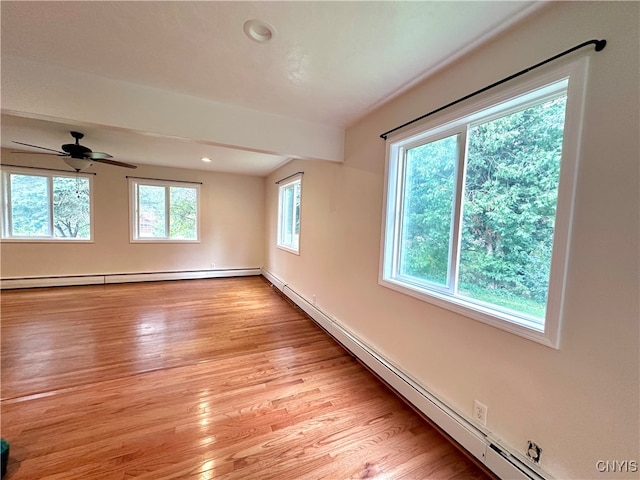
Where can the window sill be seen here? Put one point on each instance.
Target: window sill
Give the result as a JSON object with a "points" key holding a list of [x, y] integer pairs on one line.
{"points": [[162, 240], [45, 240], [289, 249], [503, 321]]}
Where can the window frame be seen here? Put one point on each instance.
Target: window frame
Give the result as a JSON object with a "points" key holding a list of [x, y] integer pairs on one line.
{"points": [[294, 247], [5, 216], [134, 223], [458, 121]]}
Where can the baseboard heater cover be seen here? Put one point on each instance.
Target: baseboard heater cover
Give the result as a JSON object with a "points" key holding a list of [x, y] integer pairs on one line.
{"points": [[63, 281], [497, 457]]}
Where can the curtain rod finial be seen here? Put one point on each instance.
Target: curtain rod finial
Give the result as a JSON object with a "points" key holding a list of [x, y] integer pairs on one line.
{"points": [[600, 44]]}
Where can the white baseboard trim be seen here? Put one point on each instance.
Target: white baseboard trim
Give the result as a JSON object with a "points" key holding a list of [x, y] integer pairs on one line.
{"points": [[187, 275], [62, 281], [10, 283], [499, 458]]}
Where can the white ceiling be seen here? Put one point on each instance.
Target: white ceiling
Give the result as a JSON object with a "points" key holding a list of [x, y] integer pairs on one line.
{"points": [[137, 148], [329, 63]]}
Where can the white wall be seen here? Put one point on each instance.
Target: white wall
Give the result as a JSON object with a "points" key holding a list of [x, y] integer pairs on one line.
{"points": [[579, 403], [232, 236]]}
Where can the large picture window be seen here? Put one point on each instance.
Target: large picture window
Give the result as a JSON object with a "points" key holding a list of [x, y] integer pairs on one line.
{"points": [[289, 215], [164, 211], [45, 206], [478, 207]]}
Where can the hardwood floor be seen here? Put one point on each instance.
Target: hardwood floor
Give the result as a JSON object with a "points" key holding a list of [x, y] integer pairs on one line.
{"points": [[198, 379]]}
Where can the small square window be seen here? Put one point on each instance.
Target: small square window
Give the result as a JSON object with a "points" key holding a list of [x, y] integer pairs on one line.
{"points": [[164, 211]]}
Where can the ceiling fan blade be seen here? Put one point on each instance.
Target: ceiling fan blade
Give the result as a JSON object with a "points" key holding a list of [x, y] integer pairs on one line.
{"points": [[40, 153], [97, 155], [113, 162], [43, 148]]}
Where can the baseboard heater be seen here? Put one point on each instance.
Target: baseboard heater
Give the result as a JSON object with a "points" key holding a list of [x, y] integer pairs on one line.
{"points": [[496, 456], [68, 280]]}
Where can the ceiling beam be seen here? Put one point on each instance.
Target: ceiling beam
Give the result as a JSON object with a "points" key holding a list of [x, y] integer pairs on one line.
{"points": [[38, 90]]}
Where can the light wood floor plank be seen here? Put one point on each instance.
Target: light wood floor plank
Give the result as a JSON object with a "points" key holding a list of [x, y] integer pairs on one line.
{"points": [[201, 379]]}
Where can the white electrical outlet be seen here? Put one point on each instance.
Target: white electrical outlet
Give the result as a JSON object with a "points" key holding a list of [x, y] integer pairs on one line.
{"points": [[212, 265], [480, 413]]}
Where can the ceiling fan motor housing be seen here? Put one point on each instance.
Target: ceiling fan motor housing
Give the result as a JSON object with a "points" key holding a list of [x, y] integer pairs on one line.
{"points": [[75, 149]]}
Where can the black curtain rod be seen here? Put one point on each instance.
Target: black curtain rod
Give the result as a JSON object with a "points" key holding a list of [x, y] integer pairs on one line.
{"points": [[287, 178], [599, 46], [47, 169], [164, 180]]}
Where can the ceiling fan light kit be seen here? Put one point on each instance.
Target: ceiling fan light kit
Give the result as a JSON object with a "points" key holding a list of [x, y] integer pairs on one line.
{"points": [[78, 156], [78, 164]]}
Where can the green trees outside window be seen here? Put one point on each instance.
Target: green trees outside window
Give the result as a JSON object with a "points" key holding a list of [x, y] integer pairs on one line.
{"points": [[45, 206], [510, 190], [165, 211], [509, 207], [427, 210], [478, 205]]}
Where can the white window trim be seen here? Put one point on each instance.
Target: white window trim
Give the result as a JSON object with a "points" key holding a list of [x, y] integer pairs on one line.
{"points": [[549, 336], [49, 174], [133, 212], [281, 188]]}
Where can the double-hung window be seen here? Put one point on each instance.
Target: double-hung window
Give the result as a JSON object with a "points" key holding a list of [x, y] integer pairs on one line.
{"points": [[289, 215], [164, 211], [44, 206], [478, 206]]}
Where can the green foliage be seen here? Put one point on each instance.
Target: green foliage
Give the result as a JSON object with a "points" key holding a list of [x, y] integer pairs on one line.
{"points": [[152, 211], [183, 213], [71, 207], [30, 215], [428, 203], [29, 205], [509, 206]]}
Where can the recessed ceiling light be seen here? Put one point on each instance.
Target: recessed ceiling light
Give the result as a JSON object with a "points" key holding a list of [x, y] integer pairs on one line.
{"points": [[206, 159], [258, 31]]}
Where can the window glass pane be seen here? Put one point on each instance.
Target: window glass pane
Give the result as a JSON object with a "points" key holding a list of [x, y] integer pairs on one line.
{"points": [[296, 215], [29, 205], [427, 210], [71, 207], [510, 196], [183, 211], [151, 211], [287, 215]]}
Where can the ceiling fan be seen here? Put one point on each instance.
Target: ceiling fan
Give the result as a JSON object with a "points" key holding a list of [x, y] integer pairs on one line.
{"points": [[78, 156]]}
